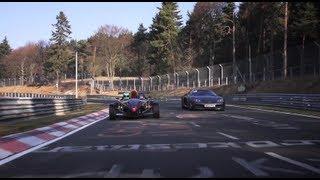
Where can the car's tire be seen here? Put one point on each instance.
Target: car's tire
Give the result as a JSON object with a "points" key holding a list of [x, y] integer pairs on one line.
{"points": [[224, 107], [156, 111], [112, 113], [190, 107], [182, 105]]}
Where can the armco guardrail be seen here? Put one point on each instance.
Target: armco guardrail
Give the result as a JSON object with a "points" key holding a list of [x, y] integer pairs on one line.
{"points": [[33, 95], [297, 101], [15, 108]]}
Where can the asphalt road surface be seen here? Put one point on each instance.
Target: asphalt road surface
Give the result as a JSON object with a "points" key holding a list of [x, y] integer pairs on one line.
{"points": [[236, 142]]}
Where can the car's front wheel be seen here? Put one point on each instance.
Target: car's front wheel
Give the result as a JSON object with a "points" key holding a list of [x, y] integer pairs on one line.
{"points": [[191, 107]]}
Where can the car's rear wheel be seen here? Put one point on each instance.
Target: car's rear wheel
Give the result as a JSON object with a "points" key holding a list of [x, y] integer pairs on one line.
{"points": [[112, 113], [156, 111]]}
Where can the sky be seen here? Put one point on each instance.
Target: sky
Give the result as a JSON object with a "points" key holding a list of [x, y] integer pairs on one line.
{"points": [[32, 21]]}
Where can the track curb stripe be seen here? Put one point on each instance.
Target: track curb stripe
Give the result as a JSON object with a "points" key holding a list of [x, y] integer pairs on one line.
{"points": [[16, 145]]}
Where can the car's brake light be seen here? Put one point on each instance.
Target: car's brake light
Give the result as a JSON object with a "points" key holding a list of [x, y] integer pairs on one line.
{"points": [[134, 109]]}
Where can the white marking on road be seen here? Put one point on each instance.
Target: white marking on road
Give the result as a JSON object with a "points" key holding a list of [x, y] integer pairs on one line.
{"points": [[205, 172], [114, 171], [82, 122], [297, 142], [149, 173], [252, 166], [44, 128], [4, 153], [61, 123], [262, 144], [194, 124], [70, 126], [281, 112], [57, 133], [15, 156], [228, 136], [297, 163], [31, 140], [238, 117]]}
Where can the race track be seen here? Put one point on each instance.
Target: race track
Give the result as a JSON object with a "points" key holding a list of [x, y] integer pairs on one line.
{"points": [[236, 142]]}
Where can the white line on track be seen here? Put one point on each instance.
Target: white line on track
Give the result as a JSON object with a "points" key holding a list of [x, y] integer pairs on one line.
{"points": [[114, 171], [238, 117], [228, 136], [281, 112], [256, 171], [149, 173], [13, 157], [194, 124], [205, 172], [297, 163]]}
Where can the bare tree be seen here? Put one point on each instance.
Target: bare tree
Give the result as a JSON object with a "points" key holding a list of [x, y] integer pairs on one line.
{"points": [[111, 43]]}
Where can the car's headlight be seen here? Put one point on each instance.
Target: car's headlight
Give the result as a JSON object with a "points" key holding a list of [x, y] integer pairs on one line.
{"points": [[220, 100], [197, 100]]}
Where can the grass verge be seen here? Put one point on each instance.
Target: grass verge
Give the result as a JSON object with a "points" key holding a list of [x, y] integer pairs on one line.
{"points": [[17, 126]]}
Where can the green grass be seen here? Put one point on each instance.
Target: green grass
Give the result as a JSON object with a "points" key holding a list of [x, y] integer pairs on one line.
{"points": [[283, 109], [16, 126]]}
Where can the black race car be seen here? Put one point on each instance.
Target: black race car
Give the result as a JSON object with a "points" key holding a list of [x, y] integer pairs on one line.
{"points": [[202, 99], [134, 108]]}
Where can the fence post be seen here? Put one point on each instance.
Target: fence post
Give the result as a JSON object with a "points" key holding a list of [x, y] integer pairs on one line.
{"points": [[177, 80], [141, 83], [209, 76], [159, 83], [187, 78], [150, 83], [221, 75], [198, 79], [127, 84], [226, 80], [168, 85]]}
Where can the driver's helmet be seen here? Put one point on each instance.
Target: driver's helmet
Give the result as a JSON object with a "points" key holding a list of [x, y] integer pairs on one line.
{"points": [[142, 96], [126, 96], [134, 94]]}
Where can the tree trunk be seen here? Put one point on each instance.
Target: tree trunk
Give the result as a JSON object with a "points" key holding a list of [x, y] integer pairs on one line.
{"points": [[272, 54], [264, 41], [302, 56], [234, 50], [57, 75], [285, 41], [94, 62], [260, 36]]}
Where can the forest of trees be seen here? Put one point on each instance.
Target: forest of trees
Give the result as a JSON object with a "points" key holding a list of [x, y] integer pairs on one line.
{"points": [[167, 45]]}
